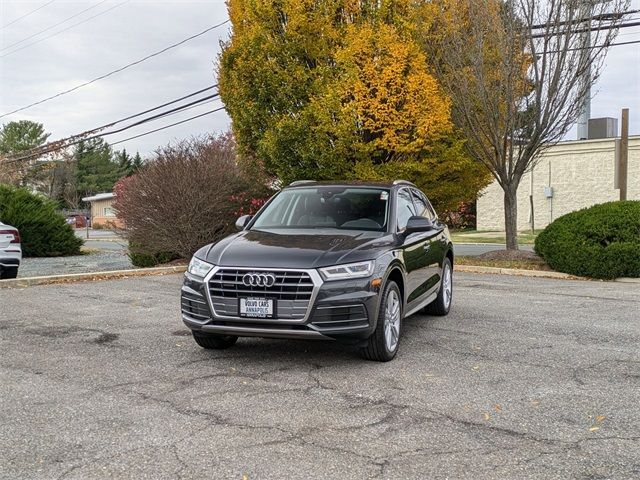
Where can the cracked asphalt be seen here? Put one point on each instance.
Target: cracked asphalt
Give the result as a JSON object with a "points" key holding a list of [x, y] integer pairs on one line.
{"points": [[526, 378]]}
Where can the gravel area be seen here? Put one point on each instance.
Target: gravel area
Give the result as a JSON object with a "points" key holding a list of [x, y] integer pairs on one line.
{"points": [[526, 378], [91, 262]]}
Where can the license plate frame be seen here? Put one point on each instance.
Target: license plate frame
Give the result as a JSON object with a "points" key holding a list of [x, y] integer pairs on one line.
{"points": [[259, 307]]}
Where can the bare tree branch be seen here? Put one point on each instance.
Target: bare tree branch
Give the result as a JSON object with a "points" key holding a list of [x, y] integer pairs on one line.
{"points": [[518, 73]]}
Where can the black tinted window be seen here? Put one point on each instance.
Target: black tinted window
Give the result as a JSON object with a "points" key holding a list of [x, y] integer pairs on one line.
{"points": [[404, 208], [422, 206], [346, 208]]}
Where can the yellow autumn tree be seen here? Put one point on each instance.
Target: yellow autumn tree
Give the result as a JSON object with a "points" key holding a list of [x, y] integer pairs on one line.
{"points": [[339, 88]]}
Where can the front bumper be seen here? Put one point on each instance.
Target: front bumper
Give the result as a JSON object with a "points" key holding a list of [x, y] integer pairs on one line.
{"points": [[339, 310]]}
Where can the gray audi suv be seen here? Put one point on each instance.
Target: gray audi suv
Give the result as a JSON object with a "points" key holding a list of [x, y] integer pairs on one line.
{"points": [[345, 261]]}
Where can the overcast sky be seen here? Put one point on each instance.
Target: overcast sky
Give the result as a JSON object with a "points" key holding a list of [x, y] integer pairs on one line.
{"points": [[125, 31]]}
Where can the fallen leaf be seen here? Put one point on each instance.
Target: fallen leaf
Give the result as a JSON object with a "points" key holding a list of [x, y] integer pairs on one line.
{"points": [[476, 367], [498, 408], [594, 429], [535, 403], [600, 418], [245, 477], [487, 416]]}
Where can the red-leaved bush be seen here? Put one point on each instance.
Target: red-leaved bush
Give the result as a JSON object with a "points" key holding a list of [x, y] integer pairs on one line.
{"points": [[188, 195]]}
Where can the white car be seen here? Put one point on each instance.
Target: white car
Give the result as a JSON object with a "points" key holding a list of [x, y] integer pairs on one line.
{"points": [[10, 251]]}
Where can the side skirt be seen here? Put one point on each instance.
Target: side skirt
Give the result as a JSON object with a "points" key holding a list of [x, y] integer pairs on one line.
{"points": [[427, 300]]}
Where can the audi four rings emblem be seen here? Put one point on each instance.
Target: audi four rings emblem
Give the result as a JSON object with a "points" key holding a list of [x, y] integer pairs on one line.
{"points": [[259, 279]]}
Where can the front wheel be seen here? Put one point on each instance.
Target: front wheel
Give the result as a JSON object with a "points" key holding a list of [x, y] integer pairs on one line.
{"points": [[212, 341], [382, 346], [441, 305]]}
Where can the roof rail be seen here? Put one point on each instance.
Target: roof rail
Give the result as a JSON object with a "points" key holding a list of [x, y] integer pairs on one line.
{"points": [[403, 182], [300, 182]]}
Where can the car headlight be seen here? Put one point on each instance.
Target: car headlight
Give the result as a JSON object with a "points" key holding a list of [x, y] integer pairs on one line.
{"points": [[348, 271], [199, 268]]}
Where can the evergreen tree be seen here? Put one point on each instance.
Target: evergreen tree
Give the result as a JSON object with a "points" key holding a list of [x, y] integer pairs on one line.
{"points": [[96, 168], [20, 136], [136, 163], [124, 162]]}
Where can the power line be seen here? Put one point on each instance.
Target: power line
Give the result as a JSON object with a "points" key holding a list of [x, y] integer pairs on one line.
{"points": [[63, 30], [587, 29], [27, 14], [53, 26], [168, 126], [632, 42], [163, 105], [113, 72], [93, 133], [160, 115], [16, 160], [603, 16]]}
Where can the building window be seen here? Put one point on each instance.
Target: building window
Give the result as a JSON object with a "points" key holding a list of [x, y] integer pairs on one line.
{"points": [[108, 212]]}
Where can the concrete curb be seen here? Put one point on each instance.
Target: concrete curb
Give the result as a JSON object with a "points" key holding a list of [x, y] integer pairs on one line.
{"points": [[534, 273], [146, 272], [516, 272], [118, 240], [627, 280], [485, 244], [93, 276]]}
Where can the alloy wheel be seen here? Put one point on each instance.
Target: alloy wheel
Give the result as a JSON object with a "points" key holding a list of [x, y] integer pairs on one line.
{"points": [[447, 285], [392, 321]]}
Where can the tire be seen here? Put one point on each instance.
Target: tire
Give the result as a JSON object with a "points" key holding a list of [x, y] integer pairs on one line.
{"points": [[441, 305], [380, 346], [212, 341], [7, 273]]}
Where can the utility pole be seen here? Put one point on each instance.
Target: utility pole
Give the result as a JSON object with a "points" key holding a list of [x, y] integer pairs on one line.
{"points": [[623, 159], [585, 109]]}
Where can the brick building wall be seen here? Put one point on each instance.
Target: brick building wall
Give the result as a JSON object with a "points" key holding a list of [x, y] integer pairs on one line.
{"points": [[581, 174]]}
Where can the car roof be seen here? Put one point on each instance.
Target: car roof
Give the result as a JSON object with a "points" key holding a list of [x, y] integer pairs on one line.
{"points": [[350, 183]]}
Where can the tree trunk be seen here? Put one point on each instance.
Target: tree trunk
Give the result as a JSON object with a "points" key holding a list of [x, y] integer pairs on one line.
{"points": [[511, 217]]}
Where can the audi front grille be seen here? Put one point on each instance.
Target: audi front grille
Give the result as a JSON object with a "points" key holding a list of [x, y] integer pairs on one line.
{"points": [[292, 289]]}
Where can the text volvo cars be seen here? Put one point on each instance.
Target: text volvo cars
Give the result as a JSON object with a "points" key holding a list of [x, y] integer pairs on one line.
{"points": [[342, 261]]}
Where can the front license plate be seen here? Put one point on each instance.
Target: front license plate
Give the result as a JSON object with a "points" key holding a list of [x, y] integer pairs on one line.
{"points": [[256, 307]]}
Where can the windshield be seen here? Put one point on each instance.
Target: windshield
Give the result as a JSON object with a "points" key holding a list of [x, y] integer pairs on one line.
{"points": [[344, 208]]}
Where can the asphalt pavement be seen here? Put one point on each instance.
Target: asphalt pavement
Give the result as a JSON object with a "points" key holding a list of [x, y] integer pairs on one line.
{"points": [[526, 378]]}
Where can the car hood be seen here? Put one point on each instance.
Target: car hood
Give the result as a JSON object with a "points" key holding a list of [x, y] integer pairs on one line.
{"points": [[295, 249]]}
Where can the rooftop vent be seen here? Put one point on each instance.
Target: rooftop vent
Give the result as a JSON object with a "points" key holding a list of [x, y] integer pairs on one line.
{"points": [[605, 127]]}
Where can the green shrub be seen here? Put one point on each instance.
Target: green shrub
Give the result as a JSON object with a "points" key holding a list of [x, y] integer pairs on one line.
{"points": [[43, 231], [141, 256], [602, 241]]}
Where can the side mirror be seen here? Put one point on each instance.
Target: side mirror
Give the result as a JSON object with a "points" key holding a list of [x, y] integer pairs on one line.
{"points": [[243, 221], [418, 224]]}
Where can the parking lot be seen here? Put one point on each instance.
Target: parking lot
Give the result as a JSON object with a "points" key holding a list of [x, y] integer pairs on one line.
{"points": [[525, 378]]}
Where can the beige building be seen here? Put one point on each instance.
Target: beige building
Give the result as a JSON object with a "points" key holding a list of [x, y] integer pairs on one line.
{"points": [[102, 212], [568, 176]]}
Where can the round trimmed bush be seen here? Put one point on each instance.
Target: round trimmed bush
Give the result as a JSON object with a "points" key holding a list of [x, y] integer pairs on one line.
{"points": [[43, 231], [602, 241]]}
